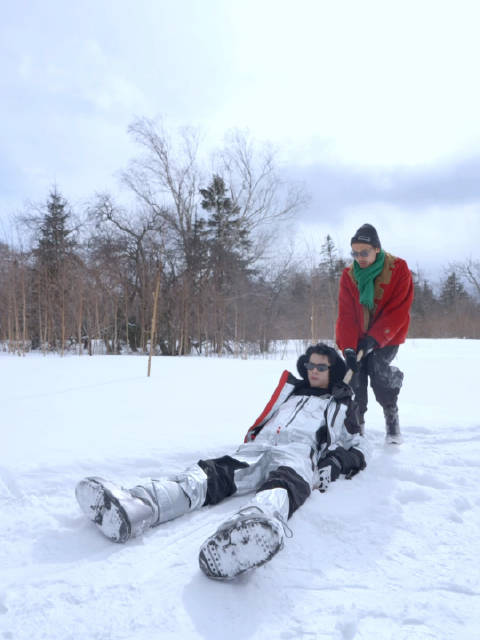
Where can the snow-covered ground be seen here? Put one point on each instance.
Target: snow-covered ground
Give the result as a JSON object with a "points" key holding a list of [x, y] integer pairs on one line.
{"points": [[391, 554]]}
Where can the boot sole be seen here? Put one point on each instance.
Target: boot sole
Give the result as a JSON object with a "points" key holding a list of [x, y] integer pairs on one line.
{"points": [[238, 548], [98, 502]]}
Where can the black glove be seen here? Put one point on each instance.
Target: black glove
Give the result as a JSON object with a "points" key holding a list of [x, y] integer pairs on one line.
{"points": [[350, 461], [350, 356], [342, 391], [367, 344], [334, 464]]}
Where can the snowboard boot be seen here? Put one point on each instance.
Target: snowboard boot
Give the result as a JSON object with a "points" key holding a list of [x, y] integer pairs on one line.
{"points": [[121, 513], [247, 540], [392, 426], [118, 513]]}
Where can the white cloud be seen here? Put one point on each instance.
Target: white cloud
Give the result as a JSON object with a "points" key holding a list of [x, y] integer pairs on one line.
{"points": [[370, 83], [377, 84]]}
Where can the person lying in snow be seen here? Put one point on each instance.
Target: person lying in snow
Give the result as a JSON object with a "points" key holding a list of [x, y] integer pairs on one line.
{"points": [[307, 435]]}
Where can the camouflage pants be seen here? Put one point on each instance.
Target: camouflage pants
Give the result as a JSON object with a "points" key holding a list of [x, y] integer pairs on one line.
{"points": [[385, 380]]}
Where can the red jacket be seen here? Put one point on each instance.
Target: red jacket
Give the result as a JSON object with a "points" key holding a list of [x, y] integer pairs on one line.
{"points": [[388, 321]]}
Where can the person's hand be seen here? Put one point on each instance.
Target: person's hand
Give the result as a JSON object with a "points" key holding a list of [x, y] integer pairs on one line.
{"points": [[366, 345], [334, 464], [342, 391], [329, 469], [350, 356]]}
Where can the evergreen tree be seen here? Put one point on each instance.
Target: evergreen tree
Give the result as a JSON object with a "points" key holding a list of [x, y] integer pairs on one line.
{"points": [[424, 300], [452, 292], [55, 261], [56, 240], [226, 233], [325, 283], [330, 265], [227, 240]]}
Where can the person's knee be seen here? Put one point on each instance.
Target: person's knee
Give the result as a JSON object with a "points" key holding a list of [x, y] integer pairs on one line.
{"points": [[385, 376], [220, 474], [287, 478]]}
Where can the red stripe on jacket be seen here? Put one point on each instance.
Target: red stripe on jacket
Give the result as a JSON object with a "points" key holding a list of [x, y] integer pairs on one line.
{"points": [[271, 403]]}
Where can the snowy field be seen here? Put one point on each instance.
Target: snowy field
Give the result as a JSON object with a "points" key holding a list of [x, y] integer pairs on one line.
{"points": [[392, 554]]}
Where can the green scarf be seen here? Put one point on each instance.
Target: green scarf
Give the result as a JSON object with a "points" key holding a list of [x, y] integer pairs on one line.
{"points": [[365, 278]]}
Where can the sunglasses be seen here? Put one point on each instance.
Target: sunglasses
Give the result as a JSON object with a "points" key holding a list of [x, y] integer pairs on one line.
{"points": [[319, 367], [364, 253]]}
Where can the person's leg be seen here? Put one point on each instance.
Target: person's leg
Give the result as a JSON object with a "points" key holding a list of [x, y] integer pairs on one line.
{"points": [[386, 381], [220, 476], [118, 514], [121, 513], [359, 384], [297, 490], [253, 535], [248, 539]]}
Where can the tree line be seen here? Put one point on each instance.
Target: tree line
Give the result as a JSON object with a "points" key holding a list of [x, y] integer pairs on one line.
{"points": [[206, 241]]}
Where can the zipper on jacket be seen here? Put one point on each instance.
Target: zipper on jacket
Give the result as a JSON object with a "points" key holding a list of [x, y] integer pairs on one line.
{"points": [[296, 411], [335, 413], [298, 407], [330, 426]]}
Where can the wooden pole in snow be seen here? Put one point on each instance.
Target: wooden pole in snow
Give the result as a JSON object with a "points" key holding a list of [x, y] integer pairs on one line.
{"points": [[154, 321]]}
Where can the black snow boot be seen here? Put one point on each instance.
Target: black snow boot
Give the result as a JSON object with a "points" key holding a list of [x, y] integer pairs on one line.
{"points": [[392, 425]]}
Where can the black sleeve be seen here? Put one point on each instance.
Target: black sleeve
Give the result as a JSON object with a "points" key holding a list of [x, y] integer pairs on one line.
{"points": [[352, 421], [342, 392]]}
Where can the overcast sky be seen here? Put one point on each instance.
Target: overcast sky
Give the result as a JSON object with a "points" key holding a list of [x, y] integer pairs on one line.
{"points": [[374, 104]]}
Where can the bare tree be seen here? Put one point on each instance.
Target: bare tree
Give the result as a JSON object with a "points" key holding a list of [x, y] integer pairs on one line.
{"points": [[469, 271], [257, 188], [166, 177], [67, 291], [136, 239]]}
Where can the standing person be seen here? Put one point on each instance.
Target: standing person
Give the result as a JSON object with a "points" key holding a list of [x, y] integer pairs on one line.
{"points": [[306, 436], [376, 293]]}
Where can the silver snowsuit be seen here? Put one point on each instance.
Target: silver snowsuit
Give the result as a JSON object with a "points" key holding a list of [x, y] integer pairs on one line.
{"points": [[284, 439]]}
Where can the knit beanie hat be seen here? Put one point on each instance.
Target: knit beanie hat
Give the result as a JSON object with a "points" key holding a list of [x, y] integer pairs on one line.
{"points": [[368, 235]]}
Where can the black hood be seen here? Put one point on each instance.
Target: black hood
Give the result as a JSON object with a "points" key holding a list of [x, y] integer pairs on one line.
{"points": [[337, 365]]}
